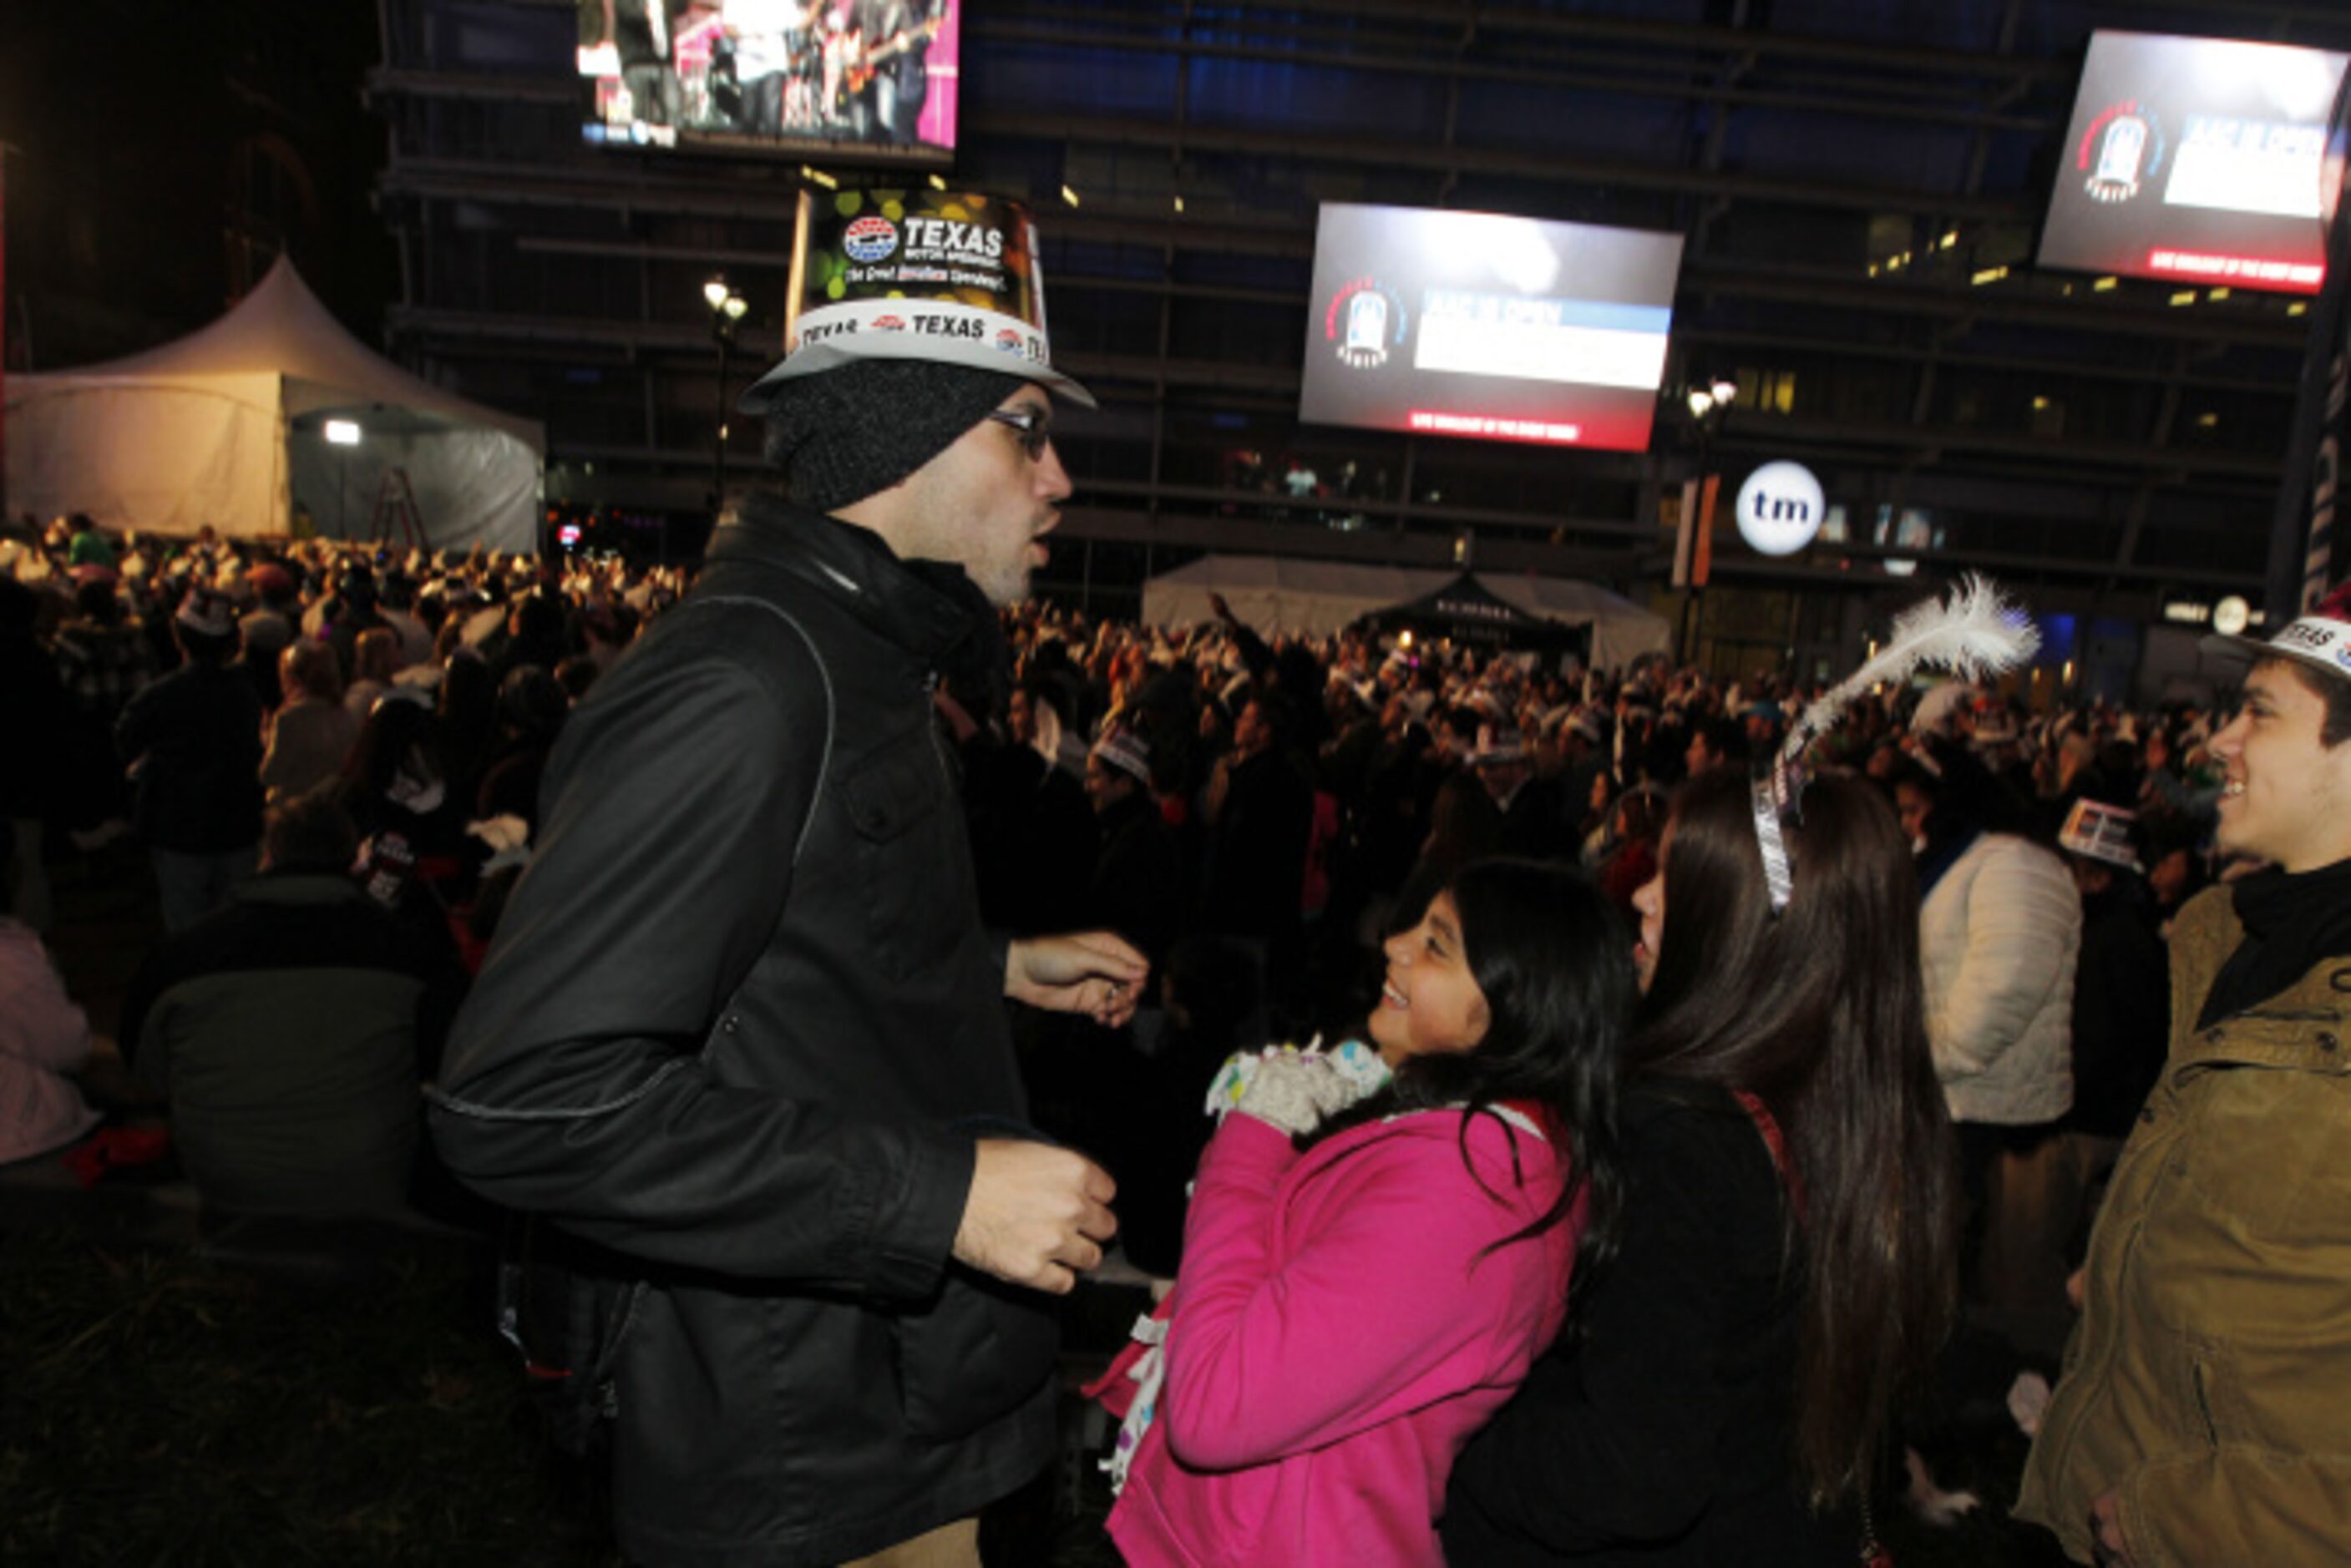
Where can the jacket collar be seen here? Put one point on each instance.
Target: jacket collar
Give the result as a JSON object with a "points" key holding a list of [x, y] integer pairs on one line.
{"points": [[926, 606]]}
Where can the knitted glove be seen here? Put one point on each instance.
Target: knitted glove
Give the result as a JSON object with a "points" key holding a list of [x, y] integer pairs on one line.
{"points": [[1293, 1089]]}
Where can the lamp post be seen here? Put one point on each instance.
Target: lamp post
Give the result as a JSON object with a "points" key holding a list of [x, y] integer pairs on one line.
{"points": [[1707, 406], [726, 309]]}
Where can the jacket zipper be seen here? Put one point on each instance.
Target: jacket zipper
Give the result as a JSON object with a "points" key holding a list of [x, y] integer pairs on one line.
{"points": [[931, 726]]}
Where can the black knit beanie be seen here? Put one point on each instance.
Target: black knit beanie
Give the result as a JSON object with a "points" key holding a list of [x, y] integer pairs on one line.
{"points": [[845, 434]]}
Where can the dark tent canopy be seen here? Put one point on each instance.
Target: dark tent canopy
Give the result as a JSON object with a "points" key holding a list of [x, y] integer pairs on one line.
{"points": [[1466, 611]]}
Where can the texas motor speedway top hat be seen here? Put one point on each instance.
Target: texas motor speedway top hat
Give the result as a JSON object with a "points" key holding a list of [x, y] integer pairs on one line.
{"points": [[946, 277]]}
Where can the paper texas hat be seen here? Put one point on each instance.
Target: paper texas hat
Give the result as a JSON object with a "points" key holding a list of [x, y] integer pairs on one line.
{"points": [[947, 276], [2319, 637]]}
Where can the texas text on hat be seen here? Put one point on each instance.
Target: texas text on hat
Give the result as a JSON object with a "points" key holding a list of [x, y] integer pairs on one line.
{"points": [[2319, 637], [951, 278]]}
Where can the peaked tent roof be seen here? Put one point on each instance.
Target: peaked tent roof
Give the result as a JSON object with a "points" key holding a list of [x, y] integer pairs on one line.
{"points": [[1559, 598], [1276, 594], [1622, 631], [280, 328]]}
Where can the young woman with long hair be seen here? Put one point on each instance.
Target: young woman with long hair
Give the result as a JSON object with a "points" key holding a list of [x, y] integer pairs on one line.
{"points": [[1364, 1282], [1786, 1255]]}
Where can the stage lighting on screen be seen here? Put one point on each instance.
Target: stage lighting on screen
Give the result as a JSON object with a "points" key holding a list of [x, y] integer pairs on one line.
{"points": [[1488, 327], [2196, 160]]}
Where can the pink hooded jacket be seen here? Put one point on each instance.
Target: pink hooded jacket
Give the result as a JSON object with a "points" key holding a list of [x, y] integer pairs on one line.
{"points": [[1336, 1337]]}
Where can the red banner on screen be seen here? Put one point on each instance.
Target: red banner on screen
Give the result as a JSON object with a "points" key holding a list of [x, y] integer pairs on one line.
{"points": [[2266, 270]]}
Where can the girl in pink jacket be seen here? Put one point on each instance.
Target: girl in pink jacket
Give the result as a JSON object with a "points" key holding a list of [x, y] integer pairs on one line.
{"points": [[1365, 1280]]}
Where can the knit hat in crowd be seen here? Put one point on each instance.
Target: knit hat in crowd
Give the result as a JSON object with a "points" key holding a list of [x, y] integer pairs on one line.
{"points": [[860, 428]]}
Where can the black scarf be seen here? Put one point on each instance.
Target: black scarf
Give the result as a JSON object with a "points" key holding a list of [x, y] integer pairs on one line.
{"points": [[979, 664], [1944, 848], [2292, 923]]}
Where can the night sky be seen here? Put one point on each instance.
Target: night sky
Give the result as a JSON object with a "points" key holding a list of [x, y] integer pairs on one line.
{"points": [[161, 153]]}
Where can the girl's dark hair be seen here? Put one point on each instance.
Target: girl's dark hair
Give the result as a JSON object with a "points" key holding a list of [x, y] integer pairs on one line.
{"points": [[1821, 1013], [1967, 795], [1555, 965], [395, 730], [467, 706]]}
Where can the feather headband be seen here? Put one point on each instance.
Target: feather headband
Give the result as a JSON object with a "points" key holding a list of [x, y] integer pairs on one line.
{"points": [[1976, 632]]}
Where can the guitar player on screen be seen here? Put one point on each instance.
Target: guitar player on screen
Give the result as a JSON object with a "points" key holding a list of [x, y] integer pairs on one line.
{"points": [[888, 79]]}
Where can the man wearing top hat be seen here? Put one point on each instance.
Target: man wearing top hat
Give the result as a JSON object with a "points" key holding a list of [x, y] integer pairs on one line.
{"points": [[740, 1026], [2201, 1415]]}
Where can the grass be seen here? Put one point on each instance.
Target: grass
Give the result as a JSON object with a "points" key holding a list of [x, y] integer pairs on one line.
{"points": [[159, 1408]]}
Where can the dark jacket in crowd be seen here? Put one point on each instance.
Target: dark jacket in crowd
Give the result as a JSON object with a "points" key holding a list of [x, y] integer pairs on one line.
{"points": [[2122, 1010], [35, 718], [193, 740], [1535, 823], [740, 1026], [1040, 840], [1664, 1432], [1138, 881], [287, 1029], [1258, 865]]}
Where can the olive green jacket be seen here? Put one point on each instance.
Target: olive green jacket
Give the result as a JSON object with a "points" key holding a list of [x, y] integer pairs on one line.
{"points": [[2209, 1381]]}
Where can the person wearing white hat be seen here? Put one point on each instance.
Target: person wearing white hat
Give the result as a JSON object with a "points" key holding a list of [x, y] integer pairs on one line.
{"points": [[1533, 814], [1138, 884], [2201, 1417], [740, 1026]]}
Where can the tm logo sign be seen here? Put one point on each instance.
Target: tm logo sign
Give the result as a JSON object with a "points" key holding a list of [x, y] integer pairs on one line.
{"points": [[1779, 508]]}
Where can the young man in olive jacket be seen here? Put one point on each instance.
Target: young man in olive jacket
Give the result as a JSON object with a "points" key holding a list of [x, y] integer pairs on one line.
{"points": [[741, 1027], [2201, 1415]]}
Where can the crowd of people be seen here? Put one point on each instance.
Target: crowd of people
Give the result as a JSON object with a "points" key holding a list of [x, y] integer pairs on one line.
{"points": [[1468, 864]]}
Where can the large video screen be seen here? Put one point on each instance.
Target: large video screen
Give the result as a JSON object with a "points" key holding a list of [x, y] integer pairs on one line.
{"points": [[2196, 160], [847, 80], [1492, 327]]}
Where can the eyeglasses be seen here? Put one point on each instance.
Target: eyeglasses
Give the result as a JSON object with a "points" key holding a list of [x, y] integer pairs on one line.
{"points": [[1036, 430]]}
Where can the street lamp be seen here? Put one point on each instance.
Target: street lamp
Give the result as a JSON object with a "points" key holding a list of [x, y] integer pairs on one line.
{"points": [[1707, 403], [726, 309], [1706, 399]]}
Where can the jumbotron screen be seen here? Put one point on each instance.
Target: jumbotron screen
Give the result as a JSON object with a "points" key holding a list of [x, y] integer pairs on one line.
{"points": [[1486, 326], [846, 80], [2196, 160]]}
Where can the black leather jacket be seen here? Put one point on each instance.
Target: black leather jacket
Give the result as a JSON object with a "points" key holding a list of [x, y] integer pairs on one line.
{"points": [[741, 1025]]}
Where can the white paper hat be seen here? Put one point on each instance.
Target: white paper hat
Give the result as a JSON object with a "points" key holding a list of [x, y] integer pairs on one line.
{"points": [[946, 277]]}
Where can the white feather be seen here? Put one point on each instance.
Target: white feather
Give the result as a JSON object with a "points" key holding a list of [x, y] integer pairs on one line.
{"points": [[1975, 633]]}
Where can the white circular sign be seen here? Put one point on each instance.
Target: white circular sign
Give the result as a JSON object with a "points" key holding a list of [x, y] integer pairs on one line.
{"points": [[2230, 615], [1779, 508]]}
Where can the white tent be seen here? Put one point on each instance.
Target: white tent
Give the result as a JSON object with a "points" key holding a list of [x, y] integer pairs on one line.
{"points": [[226, 427], [1275, 595], [1622, 631]]}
